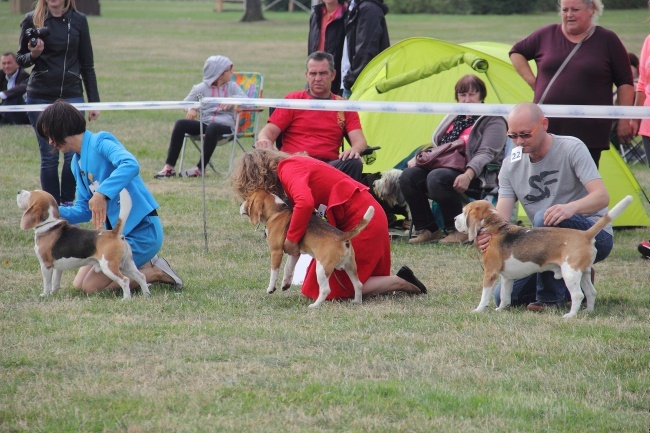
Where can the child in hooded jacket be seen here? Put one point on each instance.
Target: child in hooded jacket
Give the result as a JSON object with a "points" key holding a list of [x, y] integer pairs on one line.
{"points": [[218, 119]]}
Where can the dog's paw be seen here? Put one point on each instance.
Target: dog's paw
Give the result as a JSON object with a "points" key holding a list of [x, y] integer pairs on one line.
{"points": [[270, 290], [314, 305], [479, 310], [286, 286], [502, 307]]}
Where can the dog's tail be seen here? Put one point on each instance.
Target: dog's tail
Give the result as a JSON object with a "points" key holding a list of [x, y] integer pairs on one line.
{"points": [[359, 227], [610, 216], [125, 209]]}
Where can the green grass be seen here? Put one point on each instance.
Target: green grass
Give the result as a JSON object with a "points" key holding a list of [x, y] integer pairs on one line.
{"points": [[225, 356]]}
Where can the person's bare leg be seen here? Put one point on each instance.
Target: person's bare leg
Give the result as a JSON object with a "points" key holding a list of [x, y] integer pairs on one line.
{"points": [[379, 285], [90, 281]]}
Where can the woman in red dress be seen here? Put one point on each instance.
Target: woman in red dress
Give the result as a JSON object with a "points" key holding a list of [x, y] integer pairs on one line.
{"points": [[308, 185]]}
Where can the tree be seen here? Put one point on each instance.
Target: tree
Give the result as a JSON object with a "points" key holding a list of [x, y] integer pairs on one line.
{"points": [[252, 11]]}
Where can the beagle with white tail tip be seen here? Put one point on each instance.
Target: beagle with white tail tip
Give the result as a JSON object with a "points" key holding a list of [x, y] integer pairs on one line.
{"points": [[516, 252], [61, 246], [330, 246]]}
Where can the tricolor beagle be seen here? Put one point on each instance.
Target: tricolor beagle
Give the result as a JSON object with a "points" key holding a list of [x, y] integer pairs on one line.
{"points": [[328, 245], [61, 246], [516, 252]]}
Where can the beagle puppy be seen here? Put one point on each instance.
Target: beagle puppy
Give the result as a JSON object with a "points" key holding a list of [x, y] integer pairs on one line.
{"points": [[328, 245], [516, 252], [61, 246]]}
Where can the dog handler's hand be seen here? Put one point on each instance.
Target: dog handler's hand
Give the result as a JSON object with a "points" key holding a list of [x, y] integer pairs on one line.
{"points": [[291, 248], [482, 242], [97, 205], [264, 143], [557, 213]]}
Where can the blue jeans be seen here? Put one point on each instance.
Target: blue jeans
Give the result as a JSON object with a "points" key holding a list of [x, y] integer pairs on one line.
{"points": [[63, 191], [543, 286]]}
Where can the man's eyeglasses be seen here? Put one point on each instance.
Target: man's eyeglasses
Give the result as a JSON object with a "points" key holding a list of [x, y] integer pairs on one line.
{"points": [[525, 136]]}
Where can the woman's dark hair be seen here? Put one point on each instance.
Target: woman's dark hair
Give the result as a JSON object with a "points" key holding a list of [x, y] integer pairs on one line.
{"points": [[634, 60], [60, 121], [470, 82]]}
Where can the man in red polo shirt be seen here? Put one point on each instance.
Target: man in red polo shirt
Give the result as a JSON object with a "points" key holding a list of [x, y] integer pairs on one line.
{"points": [[318, 133]]}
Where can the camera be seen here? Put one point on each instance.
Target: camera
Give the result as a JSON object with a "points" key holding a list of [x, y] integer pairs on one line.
{"points": [[34, 34]]}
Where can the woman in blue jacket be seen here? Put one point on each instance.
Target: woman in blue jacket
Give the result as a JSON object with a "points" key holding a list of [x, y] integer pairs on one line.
{"points": [[102, 168]]}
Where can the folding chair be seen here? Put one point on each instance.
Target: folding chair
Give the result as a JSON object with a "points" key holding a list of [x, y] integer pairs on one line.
{"points": [[246, 121], [633, 152]]}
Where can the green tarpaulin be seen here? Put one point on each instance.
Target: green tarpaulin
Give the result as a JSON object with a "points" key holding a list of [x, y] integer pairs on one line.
{"points": [[426, 70]]}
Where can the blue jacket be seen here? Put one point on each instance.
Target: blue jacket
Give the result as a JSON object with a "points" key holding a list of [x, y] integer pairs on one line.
{"points": [[104, 165]]}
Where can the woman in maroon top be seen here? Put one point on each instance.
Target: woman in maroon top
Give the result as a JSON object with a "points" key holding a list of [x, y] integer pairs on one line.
{"points": [[308, 184], [587, 79]]}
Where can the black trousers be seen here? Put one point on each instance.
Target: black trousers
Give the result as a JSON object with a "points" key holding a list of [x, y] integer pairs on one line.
{"points": [[213, 133], [419, 185]]}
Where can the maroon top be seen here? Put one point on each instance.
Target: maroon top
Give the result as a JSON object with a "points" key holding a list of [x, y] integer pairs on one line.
{"points": [[587, 79]]}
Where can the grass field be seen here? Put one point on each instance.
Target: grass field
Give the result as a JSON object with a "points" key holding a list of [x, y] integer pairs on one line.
{"points": [[223, 355]]}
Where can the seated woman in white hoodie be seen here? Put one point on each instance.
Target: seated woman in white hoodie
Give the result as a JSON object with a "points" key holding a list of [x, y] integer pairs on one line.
{"points": [[218, 119]]}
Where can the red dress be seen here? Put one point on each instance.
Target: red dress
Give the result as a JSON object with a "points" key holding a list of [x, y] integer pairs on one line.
{"points": [[311, 184]]}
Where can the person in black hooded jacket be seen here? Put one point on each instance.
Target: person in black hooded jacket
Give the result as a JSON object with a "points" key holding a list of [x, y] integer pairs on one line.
{"points": [[366, 36], [63, 66], [330, 16]]}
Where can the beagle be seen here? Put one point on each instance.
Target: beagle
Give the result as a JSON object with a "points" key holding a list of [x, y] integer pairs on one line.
{"points": [[516, 252], [328, 245], [61, 246]]}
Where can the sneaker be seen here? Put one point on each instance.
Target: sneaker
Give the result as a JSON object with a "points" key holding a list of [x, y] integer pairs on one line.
{"points": [[165, 172], [644, 249], [163, 265], [427, 236], [455, 237], [405, 273], [191, 172], [539, 306]]}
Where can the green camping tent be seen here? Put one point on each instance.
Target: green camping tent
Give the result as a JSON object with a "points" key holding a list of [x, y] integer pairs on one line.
{"points": [[426, 70]]}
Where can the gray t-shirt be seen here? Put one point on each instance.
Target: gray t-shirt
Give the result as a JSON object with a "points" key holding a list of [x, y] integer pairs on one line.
{"points": [[559, 178]]}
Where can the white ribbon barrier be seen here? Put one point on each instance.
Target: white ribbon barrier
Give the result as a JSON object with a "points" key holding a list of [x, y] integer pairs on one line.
{"points": [[572, 111], [105, 106]]}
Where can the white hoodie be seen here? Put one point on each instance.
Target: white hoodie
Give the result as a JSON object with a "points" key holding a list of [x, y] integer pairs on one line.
{"points": [[211, 111]]}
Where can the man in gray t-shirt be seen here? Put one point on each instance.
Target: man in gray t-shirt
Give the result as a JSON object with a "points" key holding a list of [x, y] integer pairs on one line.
{"points": [[557, 183]]}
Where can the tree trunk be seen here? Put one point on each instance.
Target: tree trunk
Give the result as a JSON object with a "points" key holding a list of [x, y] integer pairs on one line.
{"points": [[253, 11]]}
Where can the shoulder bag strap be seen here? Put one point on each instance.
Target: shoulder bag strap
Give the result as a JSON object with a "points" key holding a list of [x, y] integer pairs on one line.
{"points": [[550, 83]]}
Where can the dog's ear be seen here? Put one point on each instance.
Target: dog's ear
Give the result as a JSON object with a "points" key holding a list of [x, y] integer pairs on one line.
{"points": [[31, 218], [254, 212], [474, 223]]}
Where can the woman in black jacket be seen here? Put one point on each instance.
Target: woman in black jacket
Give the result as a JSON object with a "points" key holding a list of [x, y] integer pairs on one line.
{"points": [[62, 60], [327, 33]]}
